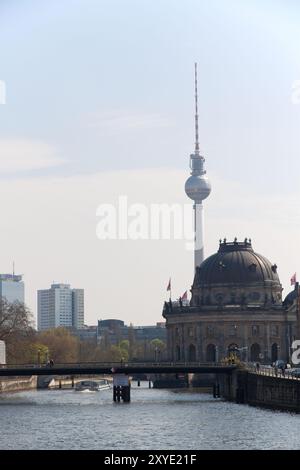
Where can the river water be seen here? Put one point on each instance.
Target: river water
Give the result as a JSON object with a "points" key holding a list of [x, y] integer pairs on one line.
{"points": [[155, 419]]}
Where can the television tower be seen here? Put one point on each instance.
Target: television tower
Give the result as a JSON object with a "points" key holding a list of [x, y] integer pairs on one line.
{"points": [[197, 187]]}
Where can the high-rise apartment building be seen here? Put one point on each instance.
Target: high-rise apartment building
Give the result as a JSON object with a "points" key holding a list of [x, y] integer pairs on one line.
{"points": [[78, 308], [60, 306], [12, 288]]}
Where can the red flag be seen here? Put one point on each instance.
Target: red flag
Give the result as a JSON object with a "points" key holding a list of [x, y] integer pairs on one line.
{"points": [[184, 296], [169, 285], [293, 279]]}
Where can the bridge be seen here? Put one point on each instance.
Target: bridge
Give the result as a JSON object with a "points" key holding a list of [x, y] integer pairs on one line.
{"points": [[263, 386], [110, 368]]}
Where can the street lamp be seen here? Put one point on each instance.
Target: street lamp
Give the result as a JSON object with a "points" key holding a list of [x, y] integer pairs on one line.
{"points": [[39, 357], [217, 354]]}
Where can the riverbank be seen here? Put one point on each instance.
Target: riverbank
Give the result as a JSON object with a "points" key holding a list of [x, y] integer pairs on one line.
{"points": [[18, 384], [262, 389], [69, 382]]}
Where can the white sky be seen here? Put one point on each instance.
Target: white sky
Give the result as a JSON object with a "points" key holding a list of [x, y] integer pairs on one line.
{"points": [[100, 104]]}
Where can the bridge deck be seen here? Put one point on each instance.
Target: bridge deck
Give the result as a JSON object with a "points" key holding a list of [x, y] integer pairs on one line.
{"points": [[112, 368]]}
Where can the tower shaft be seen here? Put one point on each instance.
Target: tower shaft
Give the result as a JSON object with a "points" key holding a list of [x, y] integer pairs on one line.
{"points": [[199, 234]]}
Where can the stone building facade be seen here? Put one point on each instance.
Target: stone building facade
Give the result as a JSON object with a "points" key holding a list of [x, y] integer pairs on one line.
{"points": [[236, 305]]}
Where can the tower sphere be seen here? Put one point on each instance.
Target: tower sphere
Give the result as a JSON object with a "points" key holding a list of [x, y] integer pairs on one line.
{"points": [[197, 187]]}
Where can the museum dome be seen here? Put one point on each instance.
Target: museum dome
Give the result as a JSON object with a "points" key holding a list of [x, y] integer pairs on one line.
{"points": [[290, 298], [236, 262], [236, 274]]}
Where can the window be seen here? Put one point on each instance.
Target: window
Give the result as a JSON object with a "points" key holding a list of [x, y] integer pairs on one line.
{"points": [[274, 330], [254, 296], [191, 332], [252, 267], [210, 331], [255, 330], [219, 298], [233, 330]]}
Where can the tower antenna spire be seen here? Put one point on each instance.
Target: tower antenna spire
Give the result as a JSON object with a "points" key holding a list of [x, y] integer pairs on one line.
{"points": [[197, 149]]}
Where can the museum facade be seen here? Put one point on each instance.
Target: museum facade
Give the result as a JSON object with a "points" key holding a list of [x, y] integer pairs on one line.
{"points": [[236, 306]]}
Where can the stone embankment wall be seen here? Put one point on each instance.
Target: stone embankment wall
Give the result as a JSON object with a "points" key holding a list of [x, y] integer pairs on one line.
{"points": [[262, 390], [17, 384]]}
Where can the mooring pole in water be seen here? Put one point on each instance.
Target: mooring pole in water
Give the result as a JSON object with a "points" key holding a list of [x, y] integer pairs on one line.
{"points": [[59, 384], [216, 390], [121, 388], [72, 381]]}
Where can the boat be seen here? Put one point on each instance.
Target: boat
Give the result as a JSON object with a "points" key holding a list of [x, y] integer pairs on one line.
{"points": [[92, 385]]}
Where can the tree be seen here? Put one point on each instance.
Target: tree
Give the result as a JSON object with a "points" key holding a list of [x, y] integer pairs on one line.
{"points": [[38, 353], [16, 329], [63, 346], [14, 318], [87, 351], [124, 345], [132, 342], [157, 346], [115, 354], [157, 343]]}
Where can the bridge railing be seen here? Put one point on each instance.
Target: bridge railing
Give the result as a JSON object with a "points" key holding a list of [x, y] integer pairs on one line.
{"points": [[119, 364], [271, 371]]}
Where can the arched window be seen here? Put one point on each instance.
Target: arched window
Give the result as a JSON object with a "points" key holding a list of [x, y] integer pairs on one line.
{"points": [[255, 352], [192, 353], [274, 352], [211, 353]]}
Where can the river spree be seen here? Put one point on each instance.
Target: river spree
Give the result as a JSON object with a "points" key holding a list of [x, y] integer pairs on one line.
{"points": [[155, 419]]}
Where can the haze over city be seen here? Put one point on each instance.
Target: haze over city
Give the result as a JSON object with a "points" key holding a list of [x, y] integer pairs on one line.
{"points": [[100, 104]]}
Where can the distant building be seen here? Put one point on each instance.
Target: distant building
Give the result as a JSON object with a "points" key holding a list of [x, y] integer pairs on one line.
{"points": [[78, 308], [86, 333], [12, 288], [2, 353], [60, 306], [113, 331]]}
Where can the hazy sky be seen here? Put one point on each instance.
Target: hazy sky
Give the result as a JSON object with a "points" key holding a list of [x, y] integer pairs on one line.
{"points": [[99, 103]]}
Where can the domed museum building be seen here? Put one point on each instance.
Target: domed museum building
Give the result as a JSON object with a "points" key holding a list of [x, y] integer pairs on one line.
{"points": [[236, 305]]}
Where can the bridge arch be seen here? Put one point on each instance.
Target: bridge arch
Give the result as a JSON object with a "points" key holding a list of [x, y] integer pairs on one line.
{"points": [[274, 352], [211, 353], [192, 353], [255, 352]]}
